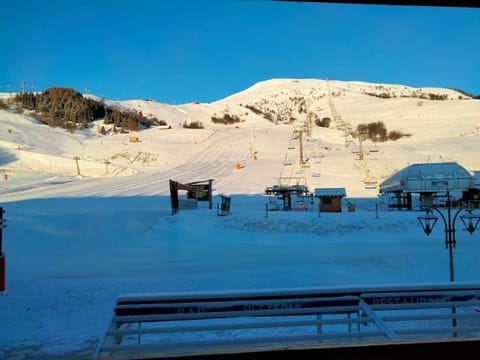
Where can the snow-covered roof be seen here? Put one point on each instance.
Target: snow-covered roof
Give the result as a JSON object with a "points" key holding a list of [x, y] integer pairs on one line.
{"points": [[330, 192], [429, 177], [476, 179]]}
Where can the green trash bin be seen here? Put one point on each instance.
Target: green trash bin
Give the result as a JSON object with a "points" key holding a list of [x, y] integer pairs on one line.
{"points": [[224, 206]]}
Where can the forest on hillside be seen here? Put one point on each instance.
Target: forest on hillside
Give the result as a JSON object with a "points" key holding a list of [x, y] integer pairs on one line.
{"points": [[70, 110]]}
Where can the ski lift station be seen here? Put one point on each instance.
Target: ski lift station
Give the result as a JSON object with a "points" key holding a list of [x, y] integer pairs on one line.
{"points": [[428, 179]]}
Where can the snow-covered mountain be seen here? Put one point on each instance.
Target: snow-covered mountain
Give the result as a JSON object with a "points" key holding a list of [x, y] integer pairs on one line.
{"points": [[271, 138], [68, 259]]}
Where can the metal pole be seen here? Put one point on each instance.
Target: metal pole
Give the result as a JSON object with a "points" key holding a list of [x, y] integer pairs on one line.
{"points": [[2, 255], [450, 255], [76, 158], [1, 230], [449, 238]]}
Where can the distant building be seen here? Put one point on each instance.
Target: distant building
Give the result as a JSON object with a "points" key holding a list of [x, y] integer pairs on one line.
{"points": [[472, 196], [426, 179], [476, 180], [330, 199]]}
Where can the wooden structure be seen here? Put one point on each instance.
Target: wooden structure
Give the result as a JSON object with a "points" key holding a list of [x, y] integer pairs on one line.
{"points": [[330, 199], [196, 191]]}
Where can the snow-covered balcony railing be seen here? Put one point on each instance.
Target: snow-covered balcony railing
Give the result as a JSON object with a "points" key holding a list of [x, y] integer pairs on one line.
{"points": [[213, 323]]}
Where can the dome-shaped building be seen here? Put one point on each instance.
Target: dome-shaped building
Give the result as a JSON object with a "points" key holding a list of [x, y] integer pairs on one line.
{"points": [[426, 179]]}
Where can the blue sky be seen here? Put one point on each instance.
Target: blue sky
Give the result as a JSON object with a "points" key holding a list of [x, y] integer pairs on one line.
{"points": [[182, 51]]}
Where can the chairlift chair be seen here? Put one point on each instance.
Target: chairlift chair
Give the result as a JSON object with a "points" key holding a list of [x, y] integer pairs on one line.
{"points": [[286, 161]]}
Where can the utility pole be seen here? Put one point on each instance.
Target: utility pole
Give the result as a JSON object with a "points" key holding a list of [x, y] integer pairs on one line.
{"points": [[362, 135], [76, 158], [300, 135]]}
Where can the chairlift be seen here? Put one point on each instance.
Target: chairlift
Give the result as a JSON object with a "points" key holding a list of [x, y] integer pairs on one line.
{"points": [[273, 205], [300, 205], [370, 184]]}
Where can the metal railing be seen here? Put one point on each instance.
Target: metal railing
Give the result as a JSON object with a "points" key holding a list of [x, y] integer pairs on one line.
{"points": [[173, 325]]}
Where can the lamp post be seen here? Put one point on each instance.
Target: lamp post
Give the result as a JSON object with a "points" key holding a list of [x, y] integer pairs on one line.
{"points": [[2, 255], [428, 222], [429, 219]]}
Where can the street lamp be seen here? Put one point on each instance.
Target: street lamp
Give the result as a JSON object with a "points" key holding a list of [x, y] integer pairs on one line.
{"points": [[3, 224], [470, 221]]}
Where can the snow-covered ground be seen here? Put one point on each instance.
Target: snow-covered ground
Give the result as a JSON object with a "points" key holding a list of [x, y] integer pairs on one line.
{"points": [[78, 237]]}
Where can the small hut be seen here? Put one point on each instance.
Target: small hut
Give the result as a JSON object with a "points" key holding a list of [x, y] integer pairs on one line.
{"points": [[330, 199]]}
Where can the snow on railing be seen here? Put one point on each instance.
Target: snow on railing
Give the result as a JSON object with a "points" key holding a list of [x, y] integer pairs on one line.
{"points": [[176, 325]]}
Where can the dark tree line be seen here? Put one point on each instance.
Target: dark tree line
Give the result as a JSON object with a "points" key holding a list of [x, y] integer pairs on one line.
{"points": [[128, 120], [68, 109], [226, 119], [377, 131]]}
